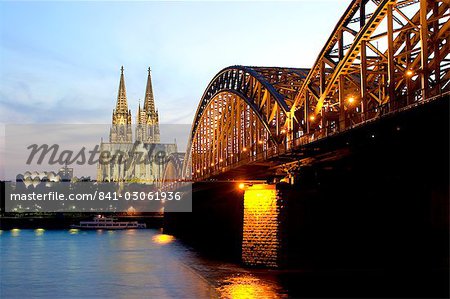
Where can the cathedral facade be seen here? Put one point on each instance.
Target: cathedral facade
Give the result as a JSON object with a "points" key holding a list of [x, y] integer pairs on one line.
{"points": [[141, 159]]}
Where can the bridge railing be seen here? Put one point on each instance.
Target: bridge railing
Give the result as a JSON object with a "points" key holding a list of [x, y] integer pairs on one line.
{"points": [[356, 120]]}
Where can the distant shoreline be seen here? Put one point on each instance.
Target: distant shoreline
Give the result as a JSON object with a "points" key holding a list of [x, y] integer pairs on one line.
{"points": [[61, 221]]}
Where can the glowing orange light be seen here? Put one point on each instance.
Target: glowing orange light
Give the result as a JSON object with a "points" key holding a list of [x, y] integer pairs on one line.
{"points": [[242, 186], [163, 239], [247, 286], [260, 142], [212, 164], [231, 155], [409, 73], [351, 100], [283, 131], [244, 149], [198, 170], [221, 160], [204, 167], [260, 198], [312, 118]]}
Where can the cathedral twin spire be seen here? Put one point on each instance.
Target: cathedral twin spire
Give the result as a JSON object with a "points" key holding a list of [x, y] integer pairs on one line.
{"points": [[147, 119], [122, 104], [149, 104]]}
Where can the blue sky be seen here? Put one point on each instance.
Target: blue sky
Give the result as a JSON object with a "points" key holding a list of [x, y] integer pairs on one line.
{"points": [[60, 61]]}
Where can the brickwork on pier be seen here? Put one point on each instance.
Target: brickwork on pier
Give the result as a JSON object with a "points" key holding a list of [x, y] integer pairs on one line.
{"points": [[261, 243]]}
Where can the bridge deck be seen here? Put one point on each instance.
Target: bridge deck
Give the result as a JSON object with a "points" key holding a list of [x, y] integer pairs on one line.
{"points": [[321, 146]]}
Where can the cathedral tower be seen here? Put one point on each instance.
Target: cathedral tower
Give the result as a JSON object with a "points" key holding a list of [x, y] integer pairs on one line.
{"points": [[147, 129], [121, 131]]}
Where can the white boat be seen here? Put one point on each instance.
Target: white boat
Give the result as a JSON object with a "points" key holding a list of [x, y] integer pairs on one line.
{"points": [[102, 222]]}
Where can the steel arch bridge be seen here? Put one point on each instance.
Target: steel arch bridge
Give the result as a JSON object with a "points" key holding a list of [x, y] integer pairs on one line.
{"points": [[382, 56]]}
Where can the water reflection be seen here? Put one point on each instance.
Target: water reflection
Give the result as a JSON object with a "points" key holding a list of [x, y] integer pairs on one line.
{"points": [[124, 264], [163, 239], [247, 286], [127, 264], [130, 232], [39, 231]]}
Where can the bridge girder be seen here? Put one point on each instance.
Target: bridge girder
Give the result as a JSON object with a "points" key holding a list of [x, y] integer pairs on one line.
{"points": [[241, 115], [383, 55], [381, 52]]}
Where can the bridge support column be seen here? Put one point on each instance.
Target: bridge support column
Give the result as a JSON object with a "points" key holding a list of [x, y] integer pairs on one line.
{"points": [[262, 243]]}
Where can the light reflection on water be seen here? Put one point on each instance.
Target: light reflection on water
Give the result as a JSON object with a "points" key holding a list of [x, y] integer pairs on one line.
{"points": [[163, 239], [39, 231], [117, 264], [247, 286], [74, 231]]}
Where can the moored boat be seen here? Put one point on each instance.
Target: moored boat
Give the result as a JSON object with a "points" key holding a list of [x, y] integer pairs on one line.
{"points": [[102, 222]]}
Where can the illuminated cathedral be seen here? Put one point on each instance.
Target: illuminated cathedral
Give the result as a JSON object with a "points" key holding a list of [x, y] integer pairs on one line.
{"points": [[139, 160]]}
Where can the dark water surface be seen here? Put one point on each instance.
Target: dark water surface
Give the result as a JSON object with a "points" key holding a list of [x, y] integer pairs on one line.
{"points": [[117, 264], [147, 264]]}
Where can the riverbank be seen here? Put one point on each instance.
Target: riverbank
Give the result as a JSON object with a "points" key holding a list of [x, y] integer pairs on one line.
{"points": [[62, 221]]}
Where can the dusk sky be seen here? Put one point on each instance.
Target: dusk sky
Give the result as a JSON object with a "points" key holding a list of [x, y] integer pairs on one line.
{"points": [[60, 61]]}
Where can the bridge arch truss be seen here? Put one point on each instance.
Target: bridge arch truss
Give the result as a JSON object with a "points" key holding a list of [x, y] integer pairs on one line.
{"points": [[382, 56], [242, 115]]}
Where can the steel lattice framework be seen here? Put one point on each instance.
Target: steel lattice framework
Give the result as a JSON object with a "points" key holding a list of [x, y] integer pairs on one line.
{"points": [[383, 55], [242, 114], [380, 52]]}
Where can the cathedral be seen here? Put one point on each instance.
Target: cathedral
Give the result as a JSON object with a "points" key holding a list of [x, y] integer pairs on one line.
{"points": [[141, 160]]}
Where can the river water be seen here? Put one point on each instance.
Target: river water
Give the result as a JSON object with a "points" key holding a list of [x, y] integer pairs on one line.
{"points": [[118, 264]]}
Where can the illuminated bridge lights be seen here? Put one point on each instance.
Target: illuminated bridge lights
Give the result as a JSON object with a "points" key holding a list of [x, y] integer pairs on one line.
{"points": [[409, 73]]}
